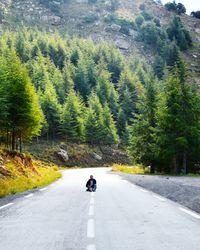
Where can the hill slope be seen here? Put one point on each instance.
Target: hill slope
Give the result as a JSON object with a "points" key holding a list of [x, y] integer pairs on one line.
{"points": [[95, 19]]}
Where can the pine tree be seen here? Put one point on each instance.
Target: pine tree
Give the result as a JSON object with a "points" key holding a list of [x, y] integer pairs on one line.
{"points": [[109, 132], [106, 91], [129, 88], [52, 111], [24, 116], [159, 66], [178, 123], [142, 145], [73, 126]]}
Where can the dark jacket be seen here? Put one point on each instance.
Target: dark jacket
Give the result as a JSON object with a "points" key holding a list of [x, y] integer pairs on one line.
{"points": [[88, 184]]}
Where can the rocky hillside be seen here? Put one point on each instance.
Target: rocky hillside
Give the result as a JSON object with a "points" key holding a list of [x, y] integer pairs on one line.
{"points": [[77, 155], [96, 19]]}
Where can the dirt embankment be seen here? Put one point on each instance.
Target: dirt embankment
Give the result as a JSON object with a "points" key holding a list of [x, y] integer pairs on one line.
{"points": [[184, 190], [78, 155], [13, 164]]}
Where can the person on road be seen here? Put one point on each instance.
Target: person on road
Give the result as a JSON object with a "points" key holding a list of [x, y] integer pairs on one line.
{"points": [[91, 184]]}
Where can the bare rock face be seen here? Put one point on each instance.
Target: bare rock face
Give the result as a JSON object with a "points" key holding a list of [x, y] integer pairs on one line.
{"points": [[97, 157], [122, 44], [63, 155], [115, 27]]}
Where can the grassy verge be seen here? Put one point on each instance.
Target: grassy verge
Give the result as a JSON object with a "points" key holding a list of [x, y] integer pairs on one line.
{"points": [[130, 169], [144, 170], [29, 180]]}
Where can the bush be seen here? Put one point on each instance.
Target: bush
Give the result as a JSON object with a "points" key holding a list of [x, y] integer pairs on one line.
{"points": [[139, 20], [178, 8], [177, 31], [170, 6], [195, 14], [147, 15], [91, 18], [110, 18]]}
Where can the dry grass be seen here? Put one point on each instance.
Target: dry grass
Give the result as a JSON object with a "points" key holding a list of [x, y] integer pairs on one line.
{"points": [[29, 180], [130, 169]]}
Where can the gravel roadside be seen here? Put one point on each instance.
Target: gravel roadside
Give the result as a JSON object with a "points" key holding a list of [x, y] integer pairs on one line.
{"points": [[184, 190]]}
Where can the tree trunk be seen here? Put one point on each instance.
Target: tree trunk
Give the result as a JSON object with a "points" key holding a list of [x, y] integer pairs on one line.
{"points": [[175, 166], [7, 138], [13, 140], [184, 162], [152, 168], [20, 143]]}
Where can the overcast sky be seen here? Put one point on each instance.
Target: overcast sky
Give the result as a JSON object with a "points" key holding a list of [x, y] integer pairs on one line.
{"points": [[189, 4]]}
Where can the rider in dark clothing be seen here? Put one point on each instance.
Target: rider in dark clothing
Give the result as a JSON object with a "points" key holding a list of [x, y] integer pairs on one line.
{"points": [[91, 184]]}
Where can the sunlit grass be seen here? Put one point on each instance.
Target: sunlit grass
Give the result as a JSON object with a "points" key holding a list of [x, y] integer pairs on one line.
{"points": [[130, 169], [19, 183]]}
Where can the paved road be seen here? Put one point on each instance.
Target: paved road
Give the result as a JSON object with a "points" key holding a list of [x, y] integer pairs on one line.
{"points": [[119, 216]]}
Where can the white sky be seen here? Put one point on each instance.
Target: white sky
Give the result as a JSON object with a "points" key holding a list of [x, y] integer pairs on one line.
{"points": [[191, 5]]}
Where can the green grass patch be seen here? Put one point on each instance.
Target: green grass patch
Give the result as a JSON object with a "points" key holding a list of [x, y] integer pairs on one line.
{"points": [[20, 183]]}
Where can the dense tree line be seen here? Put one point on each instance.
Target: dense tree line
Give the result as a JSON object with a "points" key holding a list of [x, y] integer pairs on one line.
{"points": [[75, 90], [166, 131]]}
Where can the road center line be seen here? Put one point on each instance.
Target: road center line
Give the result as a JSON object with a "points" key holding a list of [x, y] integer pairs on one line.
{"points": [[91, 210], [29, 195], [43, 189], [91, 247], [92, 201], [7, 205], [90, 229], [190, 213], [158, 197]]}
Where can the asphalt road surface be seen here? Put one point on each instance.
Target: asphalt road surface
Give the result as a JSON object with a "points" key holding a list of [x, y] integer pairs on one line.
{"points": [[118, 216]]}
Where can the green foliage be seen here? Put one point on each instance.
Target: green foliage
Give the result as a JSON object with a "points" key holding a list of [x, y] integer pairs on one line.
{"points": [[22, 118], [147, 15], [129, 88], [195, 14], [91, 18], [142, 145], [106, 91], [178, 8], [159, 66], [139, 20], [176, 31], [73, 127], [178, 123], [152, 35]]}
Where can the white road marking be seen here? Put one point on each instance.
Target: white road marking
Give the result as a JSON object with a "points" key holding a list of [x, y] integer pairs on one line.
{"points": [[29, 195], [143, 190], [193, 214], [90, 229], [158, 197], [43, 189], [92, 201], [91, 210], [91, 247], [92, 194], [7, 205]]}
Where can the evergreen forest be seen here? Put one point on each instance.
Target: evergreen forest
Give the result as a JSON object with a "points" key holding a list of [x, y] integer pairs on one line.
{"points": [[61, 88]]}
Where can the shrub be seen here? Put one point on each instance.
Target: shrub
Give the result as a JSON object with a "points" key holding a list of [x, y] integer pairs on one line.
{"points": [[139, 20], [178, 8], [177, 31], [195, 14], [147, 15], [91, 18], [170, 6]]}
